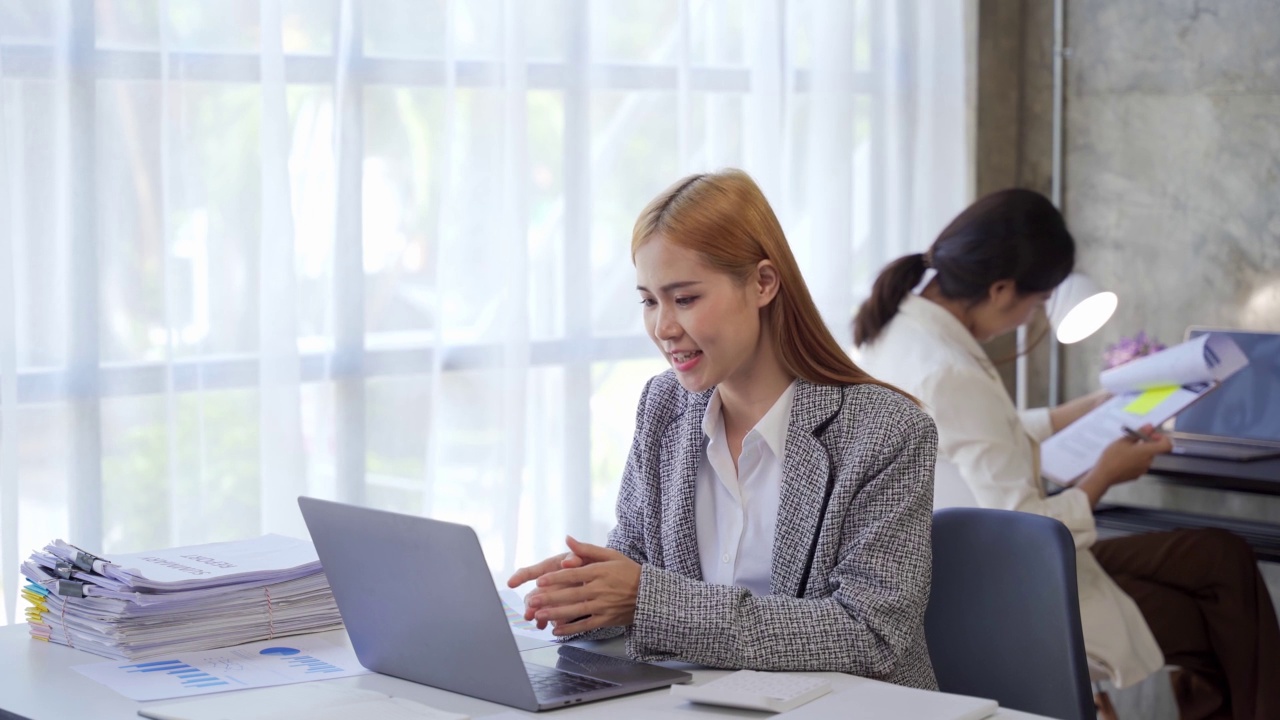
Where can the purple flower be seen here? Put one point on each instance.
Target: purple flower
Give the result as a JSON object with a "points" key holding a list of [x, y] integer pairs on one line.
{"points": [[1126, 349]]}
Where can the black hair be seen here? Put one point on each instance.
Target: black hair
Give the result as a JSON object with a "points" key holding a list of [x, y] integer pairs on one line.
{"points": [[1012, 234]]}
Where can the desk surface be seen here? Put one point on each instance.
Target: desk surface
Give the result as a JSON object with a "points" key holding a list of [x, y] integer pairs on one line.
{"points": [[37, 683]]}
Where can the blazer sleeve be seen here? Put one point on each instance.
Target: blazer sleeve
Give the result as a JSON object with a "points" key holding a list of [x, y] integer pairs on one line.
{"points": [[990, 446], [879, 584], [628, 535]]}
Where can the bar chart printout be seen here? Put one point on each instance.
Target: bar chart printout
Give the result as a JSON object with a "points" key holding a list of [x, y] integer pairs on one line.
{"points": [[183, 673], [262, 664]]}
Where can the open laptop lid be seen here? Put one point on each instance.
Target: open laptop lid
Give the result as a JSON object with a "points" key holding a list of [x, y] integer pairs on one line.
{"points": [[418, 600], [1247, 406]]}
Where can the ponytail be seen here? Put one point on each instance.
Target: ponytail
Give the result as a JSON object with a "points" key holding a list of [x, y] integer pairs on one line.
{"points": [[891, 287]]}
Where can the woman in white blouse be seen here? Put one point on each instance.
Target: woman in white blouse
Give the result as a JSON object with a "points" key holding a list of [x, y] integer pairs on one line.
{"points": [[1190, 598]]}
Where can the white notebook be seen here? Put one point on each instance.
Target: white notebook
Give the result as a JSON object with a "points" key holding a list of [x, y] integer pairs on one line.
{"points": [[303, 701], [875, 700]]}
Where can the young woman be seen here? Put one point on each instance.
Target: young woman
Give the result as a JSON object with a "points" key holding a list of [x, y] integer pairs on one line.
{"points": [[1190, 598], [775, 509]]}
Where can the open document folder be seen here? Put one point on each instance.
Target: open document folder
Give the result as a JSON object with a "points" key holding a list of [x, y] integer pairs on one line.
{"points": [[1149, 390]]}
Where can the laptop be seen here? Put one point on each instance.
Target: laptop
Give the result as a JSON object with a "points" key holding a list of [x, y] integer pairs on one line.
{"points": [[419, 603], [1240, 420]]}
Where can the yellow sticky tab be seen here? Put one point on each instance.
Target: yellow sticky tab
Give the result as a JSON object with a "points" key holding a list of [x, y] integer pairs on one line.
{"points": [[1149, 400]]}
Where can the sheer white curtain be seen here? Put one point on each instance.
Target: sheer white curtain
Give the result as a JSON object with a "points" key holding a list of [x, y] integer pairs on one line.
{"points": [[378, 251]]}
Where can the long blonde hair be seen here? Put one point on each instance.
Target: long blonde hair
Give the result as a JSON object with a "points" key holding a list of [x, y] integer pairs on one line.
{"points": [[725, 218]]}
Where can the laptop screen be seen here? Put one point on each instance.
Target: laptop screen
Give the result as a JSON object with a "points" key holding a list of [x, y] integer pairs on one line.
{"points": [[1247, 406]]}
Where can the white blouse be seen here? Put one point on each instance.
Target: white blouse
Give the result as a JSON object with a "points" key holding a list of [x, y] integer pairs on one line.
{"points": [[736, 510], [989, 456]]}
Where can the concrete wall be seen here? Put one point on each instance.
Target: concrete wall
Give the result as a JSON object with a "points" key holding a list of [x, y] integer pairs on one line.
{"points": [[1173, 164]]}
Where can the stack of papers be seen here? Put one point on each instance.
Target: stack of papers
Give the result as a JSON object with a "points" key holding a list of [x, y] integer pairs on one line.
{"points": [[178, 599]]}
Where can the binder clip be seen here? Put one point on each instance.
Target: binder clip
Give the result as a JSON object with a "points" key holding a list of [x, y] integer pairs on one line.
{"points": [[69, 588], [84, 560], [64, 570]]}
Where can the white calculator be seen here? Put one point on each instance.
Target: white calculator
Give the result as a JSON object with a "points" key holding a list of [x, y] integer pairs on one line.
{"points": [[754, 690]]}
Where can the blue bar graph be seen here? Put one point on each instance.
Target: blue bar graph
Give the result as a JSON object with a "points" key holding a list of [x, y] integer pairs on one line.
{"points": [[312, 665], [188, 677], [151, 664], [165, 666]]}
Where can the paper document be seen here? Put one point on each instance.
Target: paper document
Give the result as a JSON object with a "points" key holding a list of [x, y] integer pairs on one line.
{"points": [[273, 662], [1149, 390], [258, 561], [308, 701]]}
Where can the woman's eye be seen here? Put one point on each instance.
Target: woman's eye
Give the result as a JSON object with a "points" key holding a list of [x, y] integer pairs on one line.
{"points": [[685, 301], [648, 302]]}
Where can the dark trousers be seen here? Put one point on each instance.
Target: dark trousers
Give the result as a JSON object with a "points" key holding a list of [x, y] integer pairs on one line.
{"points": [[1211, 614]]}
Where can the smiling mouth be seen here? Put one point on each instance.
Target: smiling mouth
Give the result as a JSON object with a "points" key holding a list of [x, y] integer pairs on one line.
{"points": [[684, 357]]}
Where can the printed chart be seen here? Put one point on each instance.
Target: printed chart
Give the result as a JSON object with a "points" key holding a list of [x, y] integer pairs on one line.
{"points": [[261, 664]]}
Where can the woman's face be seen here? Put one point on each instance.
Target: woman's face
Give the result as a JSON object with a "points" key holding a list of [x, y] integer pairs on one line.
{"points": [[706, 324], [1005, 310]]}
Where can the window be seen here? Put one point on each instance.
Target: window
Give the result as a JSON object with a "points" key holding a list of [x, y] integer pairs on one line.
{"points": [[379, 251]]}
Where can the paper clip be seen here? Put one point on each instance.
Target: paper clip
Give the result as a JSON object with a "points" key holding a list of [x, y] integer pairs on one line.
{"points": [[64, 570]]}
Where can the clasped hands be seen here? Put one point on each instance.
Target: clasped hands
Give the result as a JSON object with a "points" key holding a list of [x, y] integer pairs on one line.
{"points": [[587, 588]]}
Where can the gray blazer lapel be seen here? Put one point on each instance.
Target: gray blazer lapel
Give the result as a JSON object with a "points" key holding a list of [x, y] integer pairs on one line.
{"points": [[805, 470], [682, 441]]}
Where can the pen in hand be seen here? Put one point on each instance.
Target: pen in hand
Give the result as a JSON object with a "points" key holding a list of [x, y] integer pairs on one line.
{"points": [[1137, 434]]}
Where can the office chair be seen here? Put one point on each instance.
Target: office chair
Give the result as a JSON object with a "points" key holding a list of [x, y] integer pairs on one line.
{"points": [[1003, 620]]}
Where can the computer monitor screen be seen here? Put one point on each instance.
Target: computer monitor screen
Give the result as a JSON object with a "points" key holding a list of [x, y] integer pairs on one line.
{"points": [[1247, 406]]}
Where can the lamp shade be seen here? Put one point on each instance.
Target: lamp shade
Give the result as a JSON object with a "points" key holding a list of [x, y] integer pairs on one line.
{"points": [[1078, 307]]}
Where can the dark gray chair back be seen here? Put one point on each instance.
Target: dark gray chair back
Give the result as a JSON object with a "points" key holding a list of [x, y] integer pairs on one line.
{"points": [[1004, 618]]}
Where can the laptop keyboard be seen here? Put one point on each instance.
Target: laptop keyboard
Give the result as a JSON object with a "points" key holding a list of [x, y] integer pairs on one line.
{"points": [[548, 683]]}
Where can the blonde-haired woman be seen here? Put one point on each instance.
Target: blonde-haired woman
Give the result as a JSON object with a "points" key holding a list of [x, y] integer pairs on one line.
{"points": [[776, 505]]}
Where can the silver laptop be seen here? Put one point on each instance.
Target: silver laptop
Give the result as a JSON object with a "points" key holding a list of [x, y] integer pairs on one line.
{"points": [[1241, 419], [419, 603]]}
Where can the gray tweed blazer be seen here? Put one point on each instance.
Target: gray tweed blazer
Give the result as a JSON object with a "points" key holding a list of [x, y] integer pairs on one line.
{"points": [[863, 605]]}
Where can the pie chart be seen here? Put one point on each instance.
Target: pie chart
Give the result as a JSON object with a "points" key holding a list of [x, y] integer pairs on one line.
{"points": [[279, 651]]}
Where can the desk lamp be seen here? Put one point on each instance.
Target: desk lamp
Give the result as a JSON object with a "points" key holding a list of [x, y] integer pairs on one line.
{"points": [[1076, 310], [1078, 307]]}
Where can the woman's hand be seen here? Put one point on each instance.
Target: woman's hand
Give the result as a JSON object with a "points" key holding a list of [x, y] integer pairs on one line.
{"points": [[563, 561], [1124, 460], [600, 592]]}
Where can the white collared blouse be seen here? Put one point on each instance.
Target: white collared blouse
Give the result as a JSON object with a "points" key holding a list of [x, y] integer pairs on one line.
{"points": [[737, 508]]}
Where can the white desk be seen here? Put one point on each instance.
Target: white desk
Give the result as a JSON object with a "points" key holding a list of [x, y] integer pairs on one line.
{"points": [[37, 683]]}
